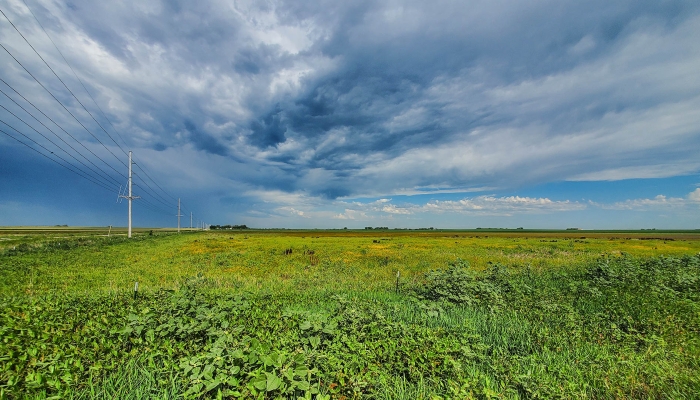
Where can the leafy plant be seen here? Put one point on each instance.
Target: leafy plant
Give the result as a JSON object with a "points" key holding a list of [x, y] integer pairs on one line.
{"points": [[458, 284]]}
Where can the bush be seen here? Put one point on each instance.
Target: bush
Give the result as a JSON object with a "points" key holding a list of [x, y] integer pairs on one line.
{"points": [[459, 285]]}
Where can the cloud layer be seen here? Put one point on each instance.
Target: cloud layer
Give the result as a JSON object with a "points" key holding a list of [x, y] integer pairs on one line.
{"points": [[336, 101]]}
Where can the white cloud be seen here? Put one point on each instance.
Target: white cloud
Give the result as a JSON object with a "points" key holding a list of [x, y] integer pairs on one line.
{"points": [[293, 211], [483, 205], [659, 202], [502, 205], [639, 172], [392, 209], [351, 214]]}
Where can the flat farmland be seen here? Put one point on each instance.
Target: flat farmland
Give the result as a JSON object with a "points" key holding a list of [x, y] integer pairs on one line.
{"points": [[349, 314]]}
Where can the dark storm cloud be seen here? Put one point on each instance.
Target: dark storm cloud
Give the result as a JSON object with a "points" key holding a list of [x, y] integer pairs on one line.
{"points": [[204, 141], [269, 130], [384, 73]]}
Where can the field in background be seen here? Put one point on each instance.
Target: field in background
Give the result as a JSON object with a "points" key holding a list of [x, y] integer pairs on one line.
{"points": [[286, 314], [342, 260]]}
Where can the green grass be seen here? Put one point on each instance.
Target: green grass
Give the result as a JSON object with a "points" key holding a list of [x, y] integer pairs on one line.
{"points": [[135, 379], [256, 260], [228, 314]]}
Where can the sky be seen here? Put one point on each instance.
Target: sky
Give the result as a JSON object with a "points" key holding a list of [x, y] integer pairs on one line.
{"points": [[326, 114]]}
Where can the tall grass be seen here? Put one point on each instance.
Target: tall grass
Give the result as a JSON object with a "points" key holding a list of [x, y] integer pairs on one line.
{"points": [[135, 379]]}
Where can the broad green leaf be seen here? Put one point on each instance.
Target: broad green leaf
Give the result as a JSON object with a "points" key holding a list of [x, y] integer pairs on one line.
{"points": [[212, 385], [302, 385], [314, 341], [273, 382], [260, 382], [267, 360], [305, 325]]}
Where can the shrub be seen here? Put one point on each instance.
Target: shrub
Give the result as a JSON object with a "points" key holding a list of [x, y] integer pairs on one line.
{"points": [[459, 285]]}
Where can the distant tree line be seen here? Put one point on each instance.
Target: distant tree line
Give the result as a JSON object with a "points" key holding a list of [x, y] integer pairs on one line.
{"points": [[379, 228], [227, 227]]}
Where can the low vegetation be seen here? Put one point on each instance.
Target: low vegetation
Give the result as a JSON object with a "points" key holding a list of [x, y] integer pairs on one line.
{"points": [[248, 316]]}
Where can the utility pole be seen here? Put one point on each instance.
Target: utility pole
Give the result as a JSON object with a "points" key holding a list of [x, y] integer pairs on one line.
{"points": [[130, 196], [190, 219], [179, 214]]}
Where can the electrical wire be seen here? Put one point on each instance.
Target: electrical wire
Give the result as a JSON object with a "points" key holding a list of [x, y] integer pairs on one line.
{"points": [[64, 107], [154, 208], [55, 155], [55, 134], [154, 182], [74, 73], [91, 97], [67, 88], [157, 196], [164, 200], [64, 131], [51, 141]]}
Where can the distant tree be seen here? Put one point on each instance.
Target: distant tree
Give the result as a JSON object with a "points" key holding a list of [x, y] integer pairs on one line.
{"points": [[227, 227]]}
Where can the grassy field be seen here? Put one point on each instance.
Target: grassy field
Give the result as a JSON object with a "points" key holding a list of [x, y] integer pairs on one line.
{"points": [[318, 314]]}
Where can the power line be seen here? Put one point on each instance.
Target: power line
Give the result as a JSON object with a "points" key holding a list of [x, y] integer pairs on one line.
{"points": [[74, 73], [146, 203], [149, 186], [78, 100], [64, 107], [155, 198], [55, 134], [55, 155], [155, 194], [67, 88], [155, 207], [154, 182], [66, 132], [91, 97], [44, 136]]}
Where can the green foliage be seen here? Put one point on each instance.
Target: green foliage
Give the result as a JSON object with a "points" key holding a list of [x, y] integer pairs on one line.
{"points": [[459, 285], [135, 379], [68, 243], [616, 327]]}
